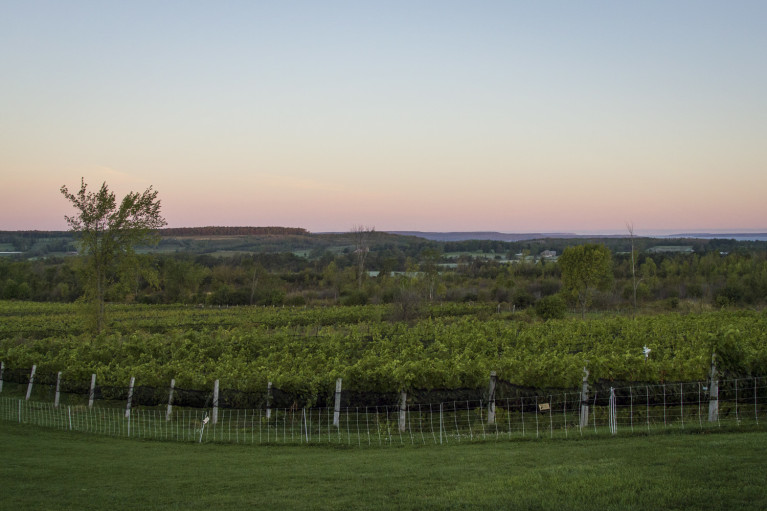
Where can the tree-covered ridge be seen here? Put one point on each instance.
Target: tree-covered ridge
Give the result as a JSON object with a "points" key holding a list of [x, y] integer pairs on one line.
{"points": [[232, 231]]}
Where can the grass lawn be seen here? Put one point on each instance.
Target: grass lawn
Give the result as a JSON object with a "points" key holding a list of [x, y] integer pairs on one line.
{"points": [[45, 469]]}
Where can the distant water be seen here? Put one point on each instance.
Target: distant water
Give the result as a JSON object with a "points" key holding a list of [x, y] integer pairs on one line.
{"points": [[755, 236]]}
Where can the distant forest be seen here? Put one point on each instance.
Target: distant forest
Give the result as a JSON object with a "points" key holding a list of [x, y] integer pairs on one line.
{"points": [[232, 231], [291, 266]]}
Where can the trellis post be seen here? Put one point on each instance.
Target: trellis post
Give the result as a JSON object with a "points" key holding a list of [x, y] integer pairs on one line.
{"points": [[491, 398], [58, 390], [584, 418], [92, 392], [337, 407], [31, 381], [130, 396], [169, 413], [402, 410], [713, 399], [214, 417]]}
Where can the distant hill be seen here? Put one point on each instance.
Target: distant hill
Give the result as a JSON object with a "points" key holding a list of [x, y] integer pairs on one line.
{"points": [[483, 235], [234, 231], [741, 236], [504, 236]]}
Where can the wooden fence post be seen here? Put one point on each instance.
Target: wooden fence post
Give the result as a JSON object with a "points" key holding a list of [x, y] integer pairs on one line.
{"points": [[713, 396], [214, 418], [491, 398], [92, 393], [337, 407], [169, 413], [402, 410], [31, 381], [268, 400], [130, 396], [58, 390], [584, 418]]}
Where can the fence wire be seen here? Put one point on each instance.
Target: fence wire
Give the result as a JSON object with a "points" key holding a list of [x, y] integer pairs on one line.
{"points": [[629, 409]]}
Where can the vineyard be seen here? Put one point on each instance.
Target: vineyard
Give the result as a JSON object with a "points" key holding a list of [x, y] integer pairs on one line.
{"points": [[305, 350]]}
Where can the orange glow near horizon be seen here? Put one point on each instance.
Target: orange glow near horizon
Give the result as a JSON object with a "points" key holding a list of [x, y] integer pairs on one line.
{"points": [[499, 118]]}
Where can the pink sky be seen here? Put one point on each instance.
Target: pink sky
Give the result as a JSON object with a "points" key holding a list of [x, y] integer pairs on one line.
{"points": [[511, 116]]}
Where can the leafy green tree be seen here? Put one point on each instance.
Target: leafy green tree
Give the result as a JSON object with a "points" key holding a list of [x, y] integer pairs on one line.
{"points": [[585, 269], [108, 234]]}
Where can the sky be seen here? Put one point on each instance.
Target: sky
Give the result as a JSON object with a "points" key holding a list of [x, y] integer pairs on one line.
{"points": [[510, 116]]}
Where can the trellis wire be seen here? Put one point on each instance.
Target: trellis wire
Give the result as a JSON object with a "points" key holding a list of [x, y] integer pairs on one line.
{"points": [[454, 420]]}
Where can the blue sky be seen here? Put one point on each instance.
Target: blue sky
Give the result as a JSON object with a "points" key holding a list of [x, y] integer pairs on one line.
{"points": [[509, 116]]}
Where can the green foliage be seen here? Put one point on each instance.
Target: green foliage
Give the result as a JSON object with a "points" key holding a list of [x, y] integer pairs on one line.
{"points": [[306, 349], [108, 234], [551, 307], [586, 268]]}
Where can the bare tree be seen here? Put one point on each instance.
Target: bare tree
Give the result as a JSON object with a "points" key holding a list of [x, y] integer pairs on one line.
{"points": [[361, 236], [635, 282]]}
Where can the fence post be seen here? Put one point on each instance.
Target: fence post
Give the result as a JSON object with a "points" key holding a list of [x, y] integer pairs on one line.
{"points": [[169, 413], [491, 398], [2, 368], [584, 419], [92, 392], [402, 410], [440, 424], [268, 400], [214, 417], [713, 396], [337, 407], [613, 418], [58, 390], [130, 396], [31, 381]]}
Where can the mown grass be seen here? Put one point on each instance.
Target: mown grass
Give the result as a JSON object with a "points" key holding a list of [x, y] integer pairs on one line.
{"points": [[43, 469]]}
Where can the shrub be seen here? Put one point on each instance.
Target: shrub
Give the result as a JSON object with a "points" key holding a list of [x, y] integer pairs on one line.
{"points": [[551, 307]]}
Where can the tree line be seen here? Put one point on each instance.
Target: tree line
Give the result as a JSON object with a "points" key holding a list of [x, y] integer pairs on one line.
{"points": [[664, 280], [116, 263]]}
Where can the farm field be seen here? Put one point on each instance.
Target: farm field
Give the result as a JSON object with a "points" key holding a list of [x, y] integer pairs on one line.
{"points": [[304, 350], [44, 469]]}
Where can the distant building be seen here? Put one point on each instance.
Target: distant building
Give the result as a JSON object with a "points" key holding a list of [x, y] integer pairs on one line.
{"points": [[548, 254], [679, 249]]}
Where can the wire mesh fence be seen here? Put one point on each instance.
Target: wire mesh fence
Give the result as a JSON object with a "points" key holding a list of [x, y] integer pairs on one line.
{"points": [[635, 408]]}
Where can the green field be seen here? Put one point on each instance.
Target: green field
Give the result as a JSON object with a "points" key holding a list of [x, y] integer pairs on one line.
{"points": [[43, 469]]}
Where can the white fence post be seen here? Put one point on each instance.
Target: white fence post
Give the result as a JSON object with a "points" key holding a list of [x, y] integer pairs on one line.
{"points": [[269, 400], [169, 413], [403, 411], [214, 418], [130, 396], [713, 399], [31, 381], [58, 390], [92, 393], [2, 368], [613, 411], [491, 398], [337, 407], [584, 419]]}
